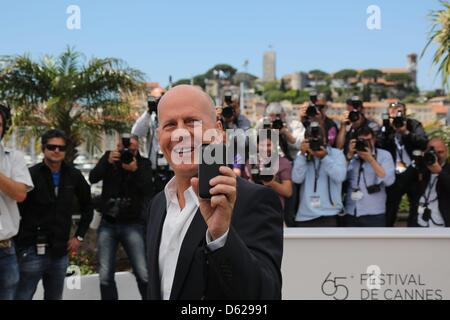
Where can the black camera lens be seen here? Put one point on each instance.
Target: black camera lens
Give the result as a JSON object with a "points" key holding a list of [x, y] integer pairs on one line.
{"points": [[126, 156], [126, 141], [315, 144], [227, 112], [312, 111], [353, 116], [152, 104], [361, 145], [430, 157], [399, 121], [277, 124], [266, 177]]}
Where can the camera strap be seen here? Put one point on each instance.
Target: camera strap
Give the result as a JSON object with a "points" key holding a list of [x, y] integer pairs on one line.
{"points": [[362, 173], [316, 173], [427, 193], [152, 135]]}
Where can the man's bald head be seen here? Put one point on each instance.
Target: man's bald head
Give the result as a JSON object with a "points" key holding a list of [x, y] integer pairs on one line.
{"points": [[184, 95]]}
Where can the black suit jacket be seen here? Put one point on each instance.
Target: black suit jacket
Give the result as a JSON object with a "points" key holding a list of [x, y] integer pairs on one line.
{"points": [[247, 267]]}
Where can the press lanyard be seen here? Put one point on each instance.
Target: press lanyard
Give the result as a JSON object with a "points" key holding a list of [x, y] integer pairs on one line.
{"points": [[430, 189], [361, 172], [316, 173]]}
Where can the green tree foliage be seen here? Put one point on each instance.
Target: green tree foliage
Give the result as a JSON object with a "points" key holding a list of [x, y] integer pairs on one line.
{"points": [[440, 36], [82, 98], [345, 74]]}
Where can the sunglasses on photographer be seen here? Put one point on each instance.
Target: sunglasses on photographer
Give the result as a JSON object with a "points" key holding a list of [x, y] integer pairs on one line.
{"points": [[53, 147]]}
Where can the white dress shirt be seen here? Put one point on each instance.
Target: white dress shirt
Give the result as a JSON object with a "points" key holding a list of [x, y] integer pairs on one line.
{"points": [[175, 226], [13, 166]]}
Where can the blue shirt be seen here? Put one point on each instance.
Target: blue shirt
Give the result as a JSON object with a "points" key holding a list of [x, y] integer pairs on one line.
{"points": [[375, 203], [56, 176], [331, 173]]}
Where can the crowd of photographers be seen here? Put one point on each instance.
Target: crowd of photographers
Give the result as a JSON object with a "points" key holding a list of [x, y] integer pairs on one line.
{"points": [[351, 173], [356, 174]]}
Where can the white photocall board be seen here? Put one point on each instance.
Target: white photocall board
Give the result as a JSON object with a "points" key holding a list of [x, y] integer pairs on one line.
{"points": [[347, 263], [366, 264]]}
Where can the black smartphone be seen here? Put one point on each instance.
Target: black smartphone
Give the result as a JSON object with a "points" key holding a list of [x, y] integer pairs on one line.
{"points": [[212, 157]]}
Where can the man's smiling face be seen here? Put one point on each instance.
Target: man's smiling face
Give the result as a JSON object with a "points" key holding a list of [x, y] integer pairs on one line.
{"points": [[185, 113]]}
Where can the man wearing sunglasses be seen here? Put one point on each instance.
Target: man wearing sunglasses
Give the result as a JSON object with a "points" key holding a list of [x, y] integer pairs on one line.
{"points": [[44, 241], [15, 181]]}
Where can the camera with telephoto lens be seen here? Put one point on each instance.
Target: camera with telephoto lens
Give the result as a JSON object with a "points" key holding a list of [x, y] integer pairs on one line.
{"points": [[315, 137], [313, 97], [430, 157], [259, 174], [361, 145], [152, 104], [228, 111], [386, 120], [277, 123], [126, 156], [357, 104], [399, 120], [386, 128], [312, 111], [116, 206]]}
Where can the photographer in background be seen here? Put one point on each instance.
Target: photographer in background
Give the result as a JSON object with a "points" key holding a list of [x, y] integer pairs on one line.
{"points": [[431, 204], [231, 113], [263, 172], [353, 120], [401, 138], [145, 127], [370, 171], [292, 131], [127, 184], [321, 170], [44, 240], [315, 111]]}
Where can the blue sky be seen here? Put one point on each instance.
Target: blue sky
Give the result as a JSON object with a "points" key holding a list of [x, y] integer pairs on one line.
{"points": [[184, 38]]}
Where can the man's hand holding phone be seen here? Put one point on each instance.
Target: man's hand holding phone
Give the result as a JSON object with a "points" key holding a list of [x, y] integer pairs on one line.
{"points": [[218, 210], [216, 189]]}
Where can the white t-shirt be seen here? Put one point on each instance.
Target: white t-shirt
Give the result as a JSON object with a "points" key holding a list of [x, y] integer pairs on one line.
{"points": [[13, 166]]}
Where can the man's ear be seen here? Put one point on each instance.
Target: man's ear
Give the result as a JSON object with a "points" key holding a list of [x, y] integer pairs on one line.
{"points": [[220, 132], [219, 125]]}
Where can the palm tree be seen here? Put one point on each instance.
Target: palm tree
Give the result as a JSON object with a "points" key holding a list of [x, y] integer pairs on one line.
{"points": [[440, 35], [83, 99]]}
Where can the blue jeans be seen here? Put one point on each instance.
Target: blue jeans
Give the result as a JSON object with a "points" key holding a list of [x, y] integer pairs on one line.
{"points": [[131, 236], [52, 271], [9, 273]]}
